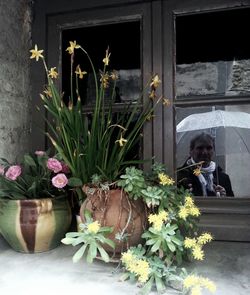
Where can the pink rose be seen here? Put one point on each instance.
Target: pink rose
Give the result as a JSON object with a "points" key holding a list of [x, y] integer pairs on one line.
{"points": [[1, 170], [40, 153], [65, 168], [13, 172], [60, 180], [54, 165]]}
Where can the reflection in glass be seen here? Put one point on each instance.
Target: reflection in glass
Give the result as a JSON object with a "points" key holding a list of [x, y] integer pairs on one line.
{"points": [[216, 61], [231, 135]]}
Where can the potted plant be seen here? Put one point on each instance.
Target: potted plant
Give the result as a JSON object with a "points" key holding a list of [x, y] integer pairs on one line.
{"points": [[155, 257], [34, 202]]}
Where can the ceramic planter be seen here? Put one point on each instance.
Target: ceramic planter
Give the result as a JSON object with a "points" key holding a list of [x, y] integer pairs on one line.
{"points": [[33, 226], [115, 208]]}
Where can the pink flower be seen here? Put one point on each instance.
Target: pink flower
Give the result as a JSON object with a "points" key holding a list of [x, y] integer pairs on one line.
{"points": [[65, 168], [40, 153], [60, 180], [1, 170], [13, 172], [54, 165]]}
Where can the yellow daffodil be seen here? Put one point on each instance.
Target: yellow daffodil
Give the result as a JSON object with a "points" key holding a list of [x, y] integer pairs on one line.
{"points": [[106, 58], [53, 73], [104, 79], [79, 72], [155, 81], [150, 117], [93, 227], [166, 102], [35, 53], [165, 179], [197, 171], [121, 141], [72, 47], [152, 94], [47, 92], [114, 75]]}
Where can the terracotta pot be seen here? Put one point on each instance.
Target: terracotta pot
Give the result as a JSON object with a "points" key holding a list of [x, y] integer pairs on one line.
{"points": [[33, 226], [115, 208]]}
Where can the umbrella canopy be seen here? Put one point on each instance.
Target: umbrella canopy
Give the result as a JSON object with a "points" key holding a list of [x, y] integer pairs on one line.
{"points": [[231, 131], [214, 119]]}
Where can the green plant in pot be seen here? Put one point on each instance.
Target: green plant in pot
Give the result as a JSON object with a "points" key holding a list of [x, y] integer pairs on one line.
{"points": [[35, 212], [100, 140]]}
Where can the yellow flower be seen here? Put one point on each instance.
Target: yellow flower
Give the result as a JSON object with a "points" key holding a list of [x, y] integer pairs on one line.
{"points": [[79, 72], [183, 213], [142, 270], [93, 227], [106, 58], [155, 81], [196, 290], [208, 284], [194, 211], [104, 79], [190, 281], [189, 243], [35, 53], [53, 73], [127, 257], [197, 171], [48, 93], [72, 47], [163, 215], [189, 201], [197, 252], [165, 180], [121, 141], [114, 75], [166, 102], [204, 238], [152, 94]]}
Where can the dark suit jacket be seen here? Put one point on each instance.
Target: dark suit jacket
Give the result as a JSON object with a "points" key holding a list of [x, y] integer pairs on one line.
{"points": [[186, 176]]}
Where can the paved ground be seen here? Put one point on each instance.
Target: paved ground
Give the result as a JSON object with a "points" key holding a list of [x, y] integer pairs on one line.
{"points": [[227, 264]]}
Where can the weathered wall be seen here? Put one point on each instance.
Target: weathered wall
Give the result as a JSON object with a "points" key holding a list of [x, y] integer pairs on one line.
{"points": [[15, 98]]}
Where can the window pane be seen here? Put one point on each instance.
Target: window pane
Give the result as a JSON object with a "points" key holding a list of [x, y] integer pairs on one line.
{"points": [[213, 54], [229, 128]]}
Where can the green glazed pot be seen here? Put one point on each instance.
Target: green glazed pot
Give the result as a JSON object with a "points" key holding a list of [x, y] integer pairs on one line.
{"points": [[34, 226]]}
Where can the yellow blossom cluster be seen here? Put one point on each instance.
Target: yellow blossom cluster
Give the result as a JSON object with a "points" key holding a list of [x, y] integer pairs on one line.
{"points": [[196, 283], [158, 219], [195, 244], [188, 209], [137, 266], [93, 227], [165, 179]]}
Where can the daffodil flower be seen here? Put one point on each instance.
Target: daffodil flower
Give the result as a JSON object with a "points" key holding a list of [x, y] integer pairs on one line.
{"points": [[35, 53], [121, 141], [166, 102], [155, 81], [106, 58], [72, 47], [47, 92], [53, 73], [80, 72]]}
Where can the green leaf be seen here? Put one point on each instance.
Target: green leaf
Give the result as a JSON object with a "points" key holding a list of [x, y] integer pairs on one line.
{"points": [[103, 253], [159, 284], [78, 255], [74, 182], [171, 246], [29, 161], [156, 246], [67, 241]]}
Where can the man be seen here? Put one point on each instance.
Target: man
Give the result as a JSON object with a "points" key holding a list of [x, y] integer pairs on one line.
{"points": [[200, 174]]}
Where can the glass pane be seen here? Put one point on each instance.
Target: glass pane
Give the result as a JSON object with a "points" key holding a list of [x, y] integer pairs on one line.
{"points": [[213, 54], [226, 143], [124, 59]]}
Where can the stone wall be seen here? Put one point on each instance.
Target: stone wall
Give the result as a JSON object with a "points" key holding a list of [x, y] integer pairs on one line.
{"points": [[15, 98]]}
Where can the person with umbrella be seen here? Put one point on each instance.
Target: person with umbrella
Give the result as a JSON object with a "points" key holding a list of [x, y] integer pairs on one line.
{"points": [[200, 174]]}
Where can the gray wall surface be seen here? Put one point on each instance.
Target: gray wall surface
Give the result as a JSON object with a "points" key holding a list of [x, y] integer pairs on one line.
{"points": [[15, 98]]}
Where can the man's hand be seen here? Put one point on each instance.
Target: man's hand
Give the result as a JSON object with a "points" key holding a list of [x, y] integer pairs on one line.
{"points": [[219, 190]]}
